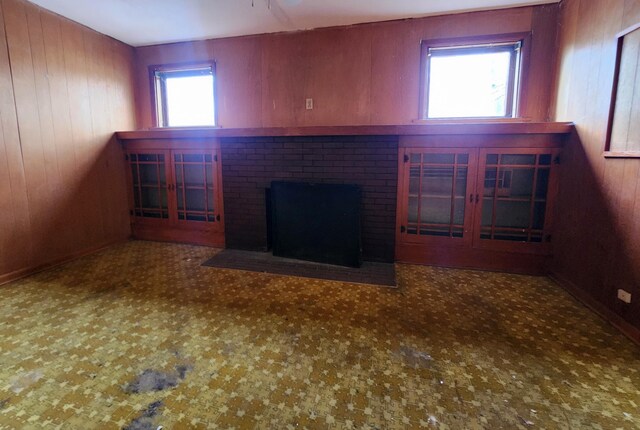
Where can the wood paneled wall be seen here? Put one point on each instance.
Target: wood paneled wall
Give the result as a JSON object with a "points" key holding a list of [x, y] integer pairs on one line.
{"points": [[64, 89], [357, 75], [597, 239]]}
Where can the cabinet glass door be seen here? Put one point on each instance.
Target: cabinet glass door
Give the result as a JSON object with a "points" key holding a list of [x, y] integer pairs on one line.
{"points": [[149, 180], [437, 183], [515, 189], [196, 186]]}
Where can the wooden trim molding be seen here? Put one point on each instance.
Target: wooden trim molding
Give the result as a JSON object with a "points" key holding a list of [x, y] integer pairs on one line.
{"points": [[621, 154], [28, 271], [605, 313], [432, 127]]}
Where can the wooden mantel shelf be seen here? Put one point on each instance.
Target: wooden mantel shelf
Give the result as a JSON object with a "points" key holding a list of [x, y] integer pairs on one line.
{"points": [[427, 128]]}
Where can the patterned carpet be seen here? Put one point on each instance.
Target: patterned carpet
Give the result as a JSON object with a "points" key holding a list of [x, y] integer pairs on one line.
{"points": [[140, 336]]}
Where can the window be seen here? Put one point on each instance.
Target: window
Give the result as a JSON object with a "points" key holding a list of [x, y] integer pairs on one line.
{"points": [[184, 96], [623, 134], [472, 78]]}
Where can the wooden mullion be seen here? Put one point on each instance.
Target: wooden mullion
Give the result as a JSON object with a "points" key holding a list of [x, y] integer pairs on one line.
{"points": [[495, 200], [533, 198], [184, 189], [139, 187], [453, 193], [206, 192]]}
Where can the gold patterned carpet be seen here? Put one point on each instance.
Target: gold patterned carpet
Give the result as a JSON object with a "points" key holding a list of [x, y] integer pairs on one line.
{"points": [[140, 336]]}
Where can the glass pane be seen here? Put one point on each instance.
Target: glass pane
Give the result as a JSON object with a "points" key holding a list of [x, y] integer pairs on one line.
{"points": [[518, 159], [437, 180], [189, 101], [193, 158], [150, 198], [160, 157], [195, 217], [539, 209], [434, 231], [436, 210], [194, 175], [516, 183], [463, 158], [208, 158], [487, 212], [514, 236], [149, 174], [133, 157], [134, 173], [460, 196], [178, 157], [163, 193], [542, 183], [179, 197], [413, 210], [544, 159], [492, 158], [210, 201], [136, 197], [163, 176], [438, 158], [415, 158], [209, 176], [414, 180], [194, 200], [490, 181], [147, 157], [179, 174], [513, 214], [469, 85]]}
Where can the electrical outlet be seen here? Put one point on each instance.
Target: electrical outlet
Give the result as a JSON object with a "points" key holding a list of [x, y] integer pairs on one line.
{"points": [[625, 296], [309, 104]]}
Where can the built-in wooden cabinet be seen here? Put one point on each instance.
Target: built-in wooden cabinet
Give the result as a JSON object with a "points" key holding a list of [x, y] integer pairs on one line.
{"points": [[175, 194], [476, 207]]}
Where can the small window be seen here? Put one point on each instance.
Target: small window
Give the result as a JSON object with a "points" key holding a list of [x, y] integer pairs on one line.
{"points": [[184, 97], [623, 134], [471, 80]]}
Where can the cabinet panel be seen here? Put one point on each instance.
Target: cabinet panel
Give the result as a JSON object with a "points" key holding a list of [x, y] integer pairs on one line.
{"points": [[149, 191], [196, 186], [515, 188], [433, 202], [176, 194]]}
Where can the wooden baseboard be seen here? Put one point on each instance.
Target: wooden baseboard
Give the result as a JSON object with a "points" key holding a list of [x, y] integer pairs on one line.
{"points": [[473, 258], [177, 235], [629, 330], [28, 271]]}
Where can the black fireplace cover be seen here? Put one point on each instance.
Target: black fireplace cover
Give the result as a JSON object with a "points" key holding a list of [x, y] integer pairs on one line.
{"points": [[317, 222]]}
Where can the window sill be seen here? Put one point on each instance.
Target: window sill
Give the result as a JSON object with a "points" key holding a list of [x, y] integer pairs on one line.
{"points": [[621, 154], [470, 120]]}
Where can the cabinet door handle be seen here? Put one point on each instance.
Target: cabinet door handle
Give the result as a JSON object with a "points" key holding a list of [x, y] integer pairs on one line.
{"points": [[477, 198], [470, 198]]}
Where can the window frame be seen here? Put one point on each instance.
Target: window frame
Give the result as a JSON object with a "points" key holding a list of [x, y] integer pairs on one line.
{"points": [[517, 91], [158, 90], [608, 153]]}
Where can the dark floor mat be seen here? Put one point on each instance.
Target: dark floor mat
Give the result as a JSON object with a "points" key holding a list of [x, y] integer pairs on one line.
{"points": [[368, 273]]}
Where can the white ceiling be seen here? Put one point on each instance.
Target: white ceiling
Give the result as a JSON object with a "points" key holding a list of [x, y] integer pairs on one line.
{"points": [[148, 22]]}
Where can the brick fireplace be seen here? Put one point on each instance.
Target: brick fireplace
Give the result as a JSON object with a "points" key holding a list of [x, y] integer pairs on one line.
{"points": [[249, 164]]}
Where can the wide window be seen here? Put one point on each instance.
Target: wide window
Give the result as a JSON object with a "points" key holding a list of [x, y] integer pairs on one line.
{"points": [[471, 80], [185, 97]]}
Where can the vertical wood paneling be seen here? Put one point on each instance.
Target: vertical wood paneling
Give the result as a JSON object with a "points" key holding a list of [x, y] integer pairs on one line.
{"points": [[15, 240], [238, 65], [64, 89], [358, 75], [598, 234]]}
